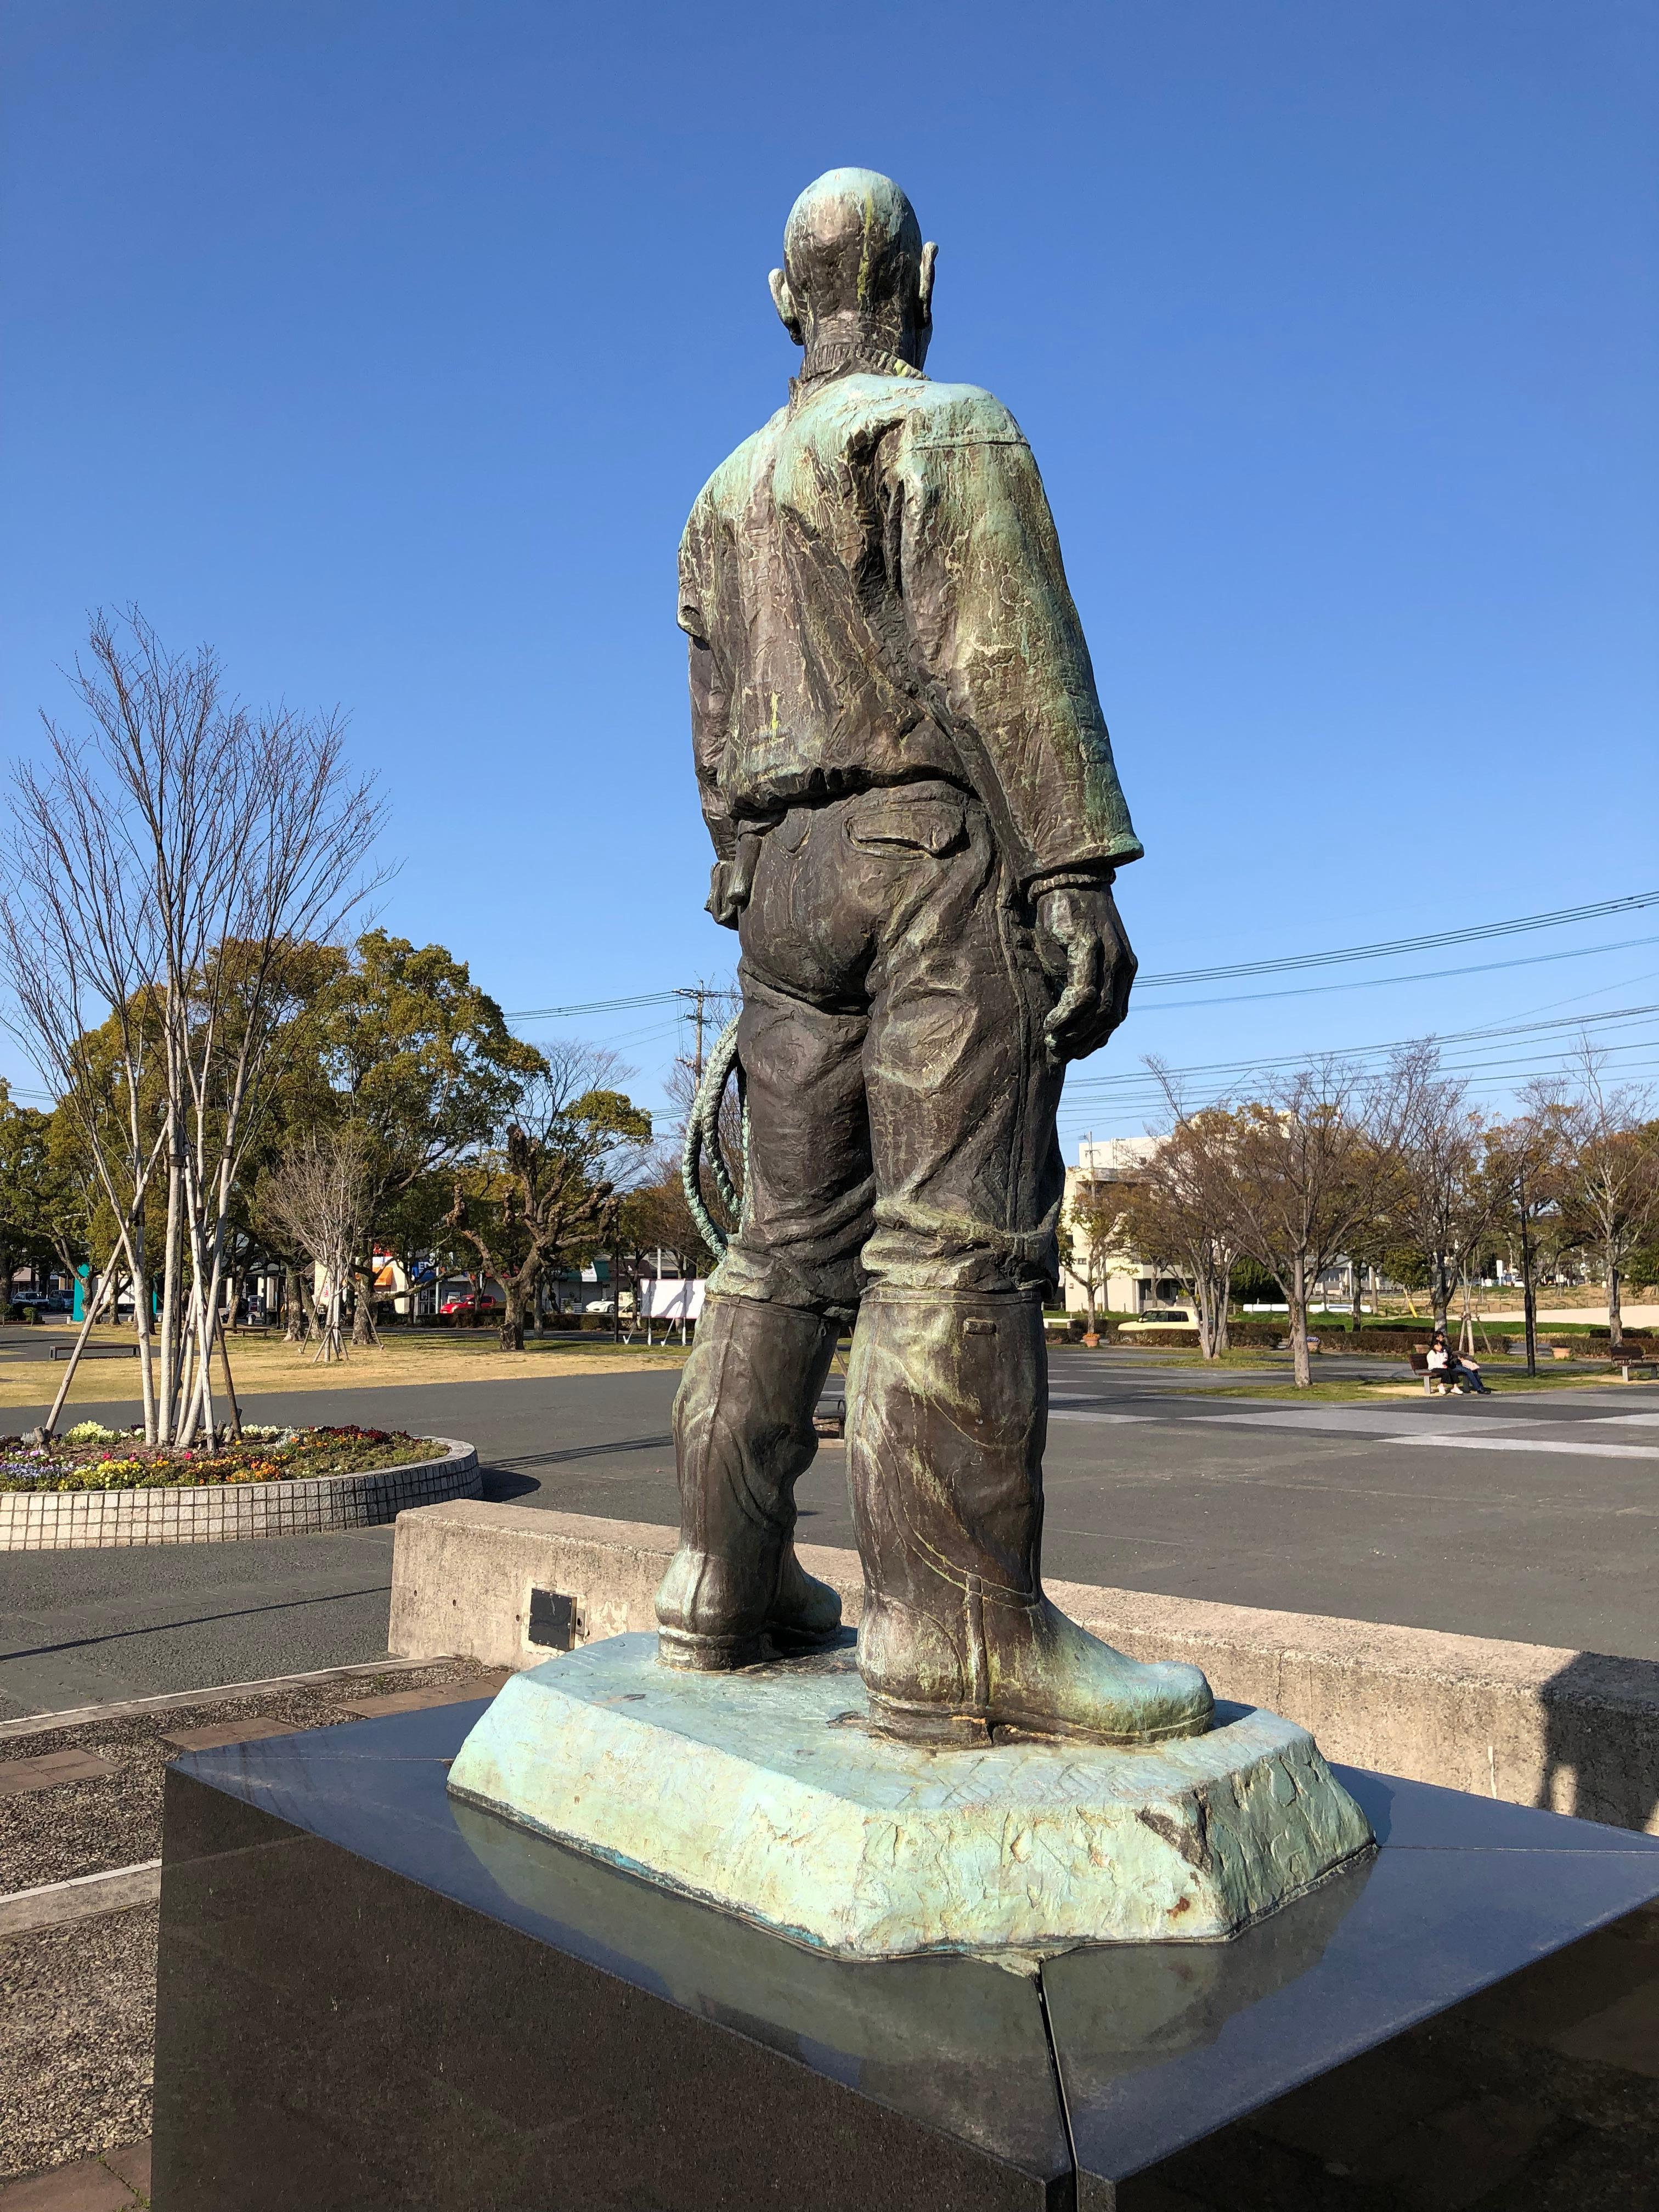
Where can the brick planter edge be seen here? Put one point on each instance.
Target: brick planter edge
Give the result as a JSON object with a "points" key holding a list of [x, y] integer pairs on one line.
{"points": [[231, 1512]]}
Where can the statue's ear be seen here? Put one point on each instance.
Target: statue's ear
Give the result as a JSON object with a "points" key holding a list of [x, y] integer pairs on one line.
{"points": [[784, 301]]}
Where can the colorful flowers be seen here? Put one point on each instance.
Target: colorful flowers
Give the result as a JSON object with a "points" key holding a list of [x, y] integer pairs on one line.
{"points": [[265, 1455]]}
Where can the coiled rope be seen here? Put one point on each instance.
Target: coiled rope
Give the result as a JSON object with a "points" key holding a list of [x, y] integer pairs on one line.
{"points": [[703, 1141]]}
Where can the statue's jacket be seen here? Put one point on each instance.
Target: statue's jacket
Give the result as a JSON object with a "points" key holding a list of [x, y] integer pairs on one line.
{"points": [[873, 590]]}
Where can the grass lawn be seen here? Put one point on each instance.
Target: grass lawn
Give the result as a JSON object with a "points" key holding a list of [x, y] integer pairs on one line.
{"points": [[263, 1363], [1503, 1376], [1499, 1381]]}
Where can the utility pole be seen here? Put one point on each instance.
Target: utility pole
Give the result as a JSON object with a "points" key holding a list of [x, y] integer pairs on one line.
{"points": [[698, 993]]}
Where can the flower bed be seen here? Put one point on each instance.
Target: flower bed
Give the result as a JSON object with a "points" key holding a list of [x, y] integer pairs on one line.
{"points": [[116, 1493], [90, 1457]]}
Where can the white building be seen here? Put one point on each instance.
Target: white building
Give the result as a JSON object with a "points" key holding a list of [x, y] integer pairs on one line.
{"points": [[1130, 1286]]}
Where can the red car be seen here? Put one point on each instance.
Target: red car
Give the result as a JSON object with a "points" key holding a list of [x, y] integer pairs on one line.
{"points": [[471, 1302]]}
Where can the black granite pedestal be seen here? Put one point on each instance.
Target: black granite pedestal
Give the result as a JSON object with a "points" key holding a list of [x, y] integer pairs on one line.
{"points": [[371, 1996]]}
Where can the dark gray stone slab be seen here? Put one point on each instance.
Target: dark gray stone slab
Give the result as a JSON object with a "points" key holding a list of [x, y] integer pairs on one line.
{"points": [[371, 1996]]}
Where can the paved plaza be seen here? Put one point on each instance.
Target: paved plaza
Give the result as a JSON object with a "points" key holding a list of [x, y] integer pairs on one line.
{"points": [[1524, 1516]]}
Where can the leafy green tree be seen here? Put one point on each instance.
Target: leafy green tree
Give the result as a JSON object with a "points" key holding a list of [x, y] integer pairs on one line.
{"points": [[547, 1190], [44, 1210], [419, 1060]]}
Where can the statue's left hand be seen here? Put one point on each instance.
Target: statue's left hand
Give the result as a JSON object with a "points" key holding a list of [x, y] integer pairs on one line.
{"points": [[732, 880], [728, 894], [1081, 942]]}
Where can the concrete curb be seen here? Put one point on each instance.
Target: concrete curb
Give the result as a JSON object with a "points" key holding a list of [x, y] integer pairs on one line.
{"points": [[232, 1512], [1573, 1731], [83, 1897], [121, 1709]]}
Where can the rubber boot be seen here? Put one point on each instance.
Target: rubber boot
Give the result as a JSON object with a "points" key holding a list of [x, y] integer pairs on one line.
{"points": [[735, 1593], [947, 1411]]}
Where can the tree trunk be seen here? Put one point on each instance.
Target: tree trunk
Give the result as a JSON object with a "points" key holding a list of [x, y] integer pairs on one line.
{"points": [[140, 1318], [1356, 1272], [1439, 1294], [230, 1387], [1296, 1291], [1204, 1299], [512, 1320], [361, 1292], [1615, 1318], [172, 1322], [1529, 1301], [294, 1314]]}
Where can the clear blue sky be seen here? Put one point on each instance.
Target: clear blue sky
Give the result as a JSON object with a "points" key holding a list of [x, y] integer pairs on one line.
{"points": [[387, 345]]}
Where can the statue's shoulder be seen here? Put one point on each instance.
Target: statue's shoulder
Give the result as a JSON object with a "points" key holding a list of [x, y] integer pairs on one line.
{"points": [[958, 414], [727, 491], [855, 408]]}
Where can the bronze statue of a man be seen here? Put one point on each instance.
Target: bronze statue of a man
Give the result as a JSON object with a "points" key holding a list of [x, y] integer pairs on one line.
{"points": [[910, 790]]}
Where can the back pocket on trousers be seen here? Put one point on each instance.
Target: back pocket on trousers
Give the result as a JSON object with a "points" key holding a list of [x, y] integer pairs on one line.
{"points": [[931, 825]]}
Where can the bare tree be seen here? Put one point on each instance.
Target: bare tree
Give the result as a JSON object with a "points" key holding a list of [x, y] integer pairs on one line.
{"points": [[165, 871], [1437, 1163], [1522, 1163], [1184, 1210], [1607, 1174], [1311, 1162], [318, 1193], [656, 1217]]}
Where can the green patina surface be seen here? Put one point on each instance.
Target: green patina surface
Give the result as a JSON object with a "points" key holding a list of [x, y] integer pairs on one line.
{"points": [[764, 1792]]}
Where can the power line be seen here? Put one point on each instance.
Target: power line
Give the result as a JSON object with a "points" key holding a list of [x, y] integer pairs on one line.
{"points": [[1381, 982], [1400, 944], [1096, 1085], [1389, 950], [594, 1006]]}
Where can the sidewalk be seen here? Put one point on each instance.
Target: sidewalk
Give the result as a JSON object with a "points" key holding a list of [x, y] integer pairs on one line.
{"points": [[80, 1843], [91, 2184]]}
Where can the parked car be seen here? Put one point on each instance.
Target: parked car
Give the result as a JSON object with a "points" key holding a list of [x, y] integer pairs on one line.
{"points": [[1162, 1317], [472, 1302]]}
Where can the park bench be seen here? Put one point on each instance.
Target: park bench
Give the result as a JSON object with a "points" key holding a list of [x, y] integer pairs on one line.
{"points": [[829, 1415], [1436, 1385]]}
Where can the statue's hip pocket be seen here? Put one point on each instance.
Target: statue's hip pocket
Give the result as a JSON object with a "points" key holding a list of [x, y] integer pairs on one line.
{"points": [[897, 823]]}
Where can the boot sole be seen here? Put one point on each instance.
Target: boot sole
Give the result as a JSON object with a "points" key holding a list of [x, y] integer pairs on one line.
{"points": [[727, 1654], [937, 1726]]}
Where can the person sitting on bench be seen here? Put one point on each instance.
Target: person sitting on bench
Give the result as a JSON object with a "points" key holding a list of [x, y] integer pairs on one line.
{"points": [[1452, 1369]]}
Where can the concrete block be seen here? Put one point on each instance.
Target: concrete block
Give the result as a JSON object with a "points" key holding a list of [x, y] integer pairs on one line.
{"points": [[1572, 1731]]}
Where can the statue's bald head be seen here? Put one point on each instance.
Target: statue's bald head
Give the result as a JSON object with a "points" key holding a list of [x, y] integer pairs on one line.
{"points": [[855, 268]]}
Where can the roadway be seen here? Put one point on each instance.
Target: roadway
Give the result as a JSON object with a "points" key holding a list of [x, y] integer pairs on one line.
{"points": [[1529, 1517]]}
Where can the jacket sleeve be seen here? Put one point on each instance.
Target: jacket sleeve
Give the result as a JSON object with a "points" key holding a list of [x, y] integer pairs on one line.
{"points": [[995, 638], [711, 698]]}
